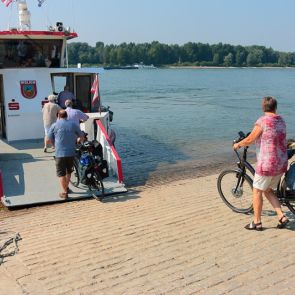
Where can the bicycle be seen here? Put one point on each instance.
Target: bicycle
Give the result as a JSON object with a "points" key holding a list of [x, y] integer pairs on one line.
{"points": [[89, 168], [235, 185]]}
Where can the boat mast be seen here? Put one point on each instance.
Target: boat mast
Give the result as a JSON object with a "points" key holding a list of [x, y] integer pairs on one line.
{"points": [[24, 16]]}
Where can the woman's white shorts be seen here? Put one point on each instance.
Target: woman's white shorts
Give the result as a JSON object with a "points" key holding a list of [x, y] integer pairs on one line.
{"points": [[265, 182]]}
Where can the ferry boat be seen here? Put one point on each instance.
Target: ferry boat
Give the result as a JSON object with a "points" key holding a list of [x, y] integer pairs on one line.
{"points": [[33, 64]]}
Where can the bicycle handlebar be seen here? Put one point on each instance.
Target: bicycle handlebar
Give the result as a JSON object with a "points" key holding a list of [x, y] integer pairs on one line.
{"points": [[291, 152], [241, 137]]}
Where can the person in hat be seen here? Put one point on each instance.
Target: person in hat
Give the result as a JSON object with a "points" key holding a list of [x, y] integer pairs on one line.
{"points": [[50, 111]]}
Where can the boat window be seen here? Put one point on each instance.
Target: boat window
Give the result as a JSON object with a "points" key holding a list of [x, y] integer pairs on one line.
{"points": [[83, 94], [79, 85], [30, 53], [59, 81]]}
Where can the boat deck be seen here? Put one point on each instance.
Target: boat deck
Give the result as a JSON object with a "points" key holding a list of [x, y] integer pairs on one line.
{"points": [[28, 176]]}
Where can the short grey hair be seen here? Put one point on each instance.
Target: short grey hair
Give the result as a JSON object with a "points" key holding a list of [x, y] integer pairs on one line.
{"points": [[68, 103], [51, 97]]}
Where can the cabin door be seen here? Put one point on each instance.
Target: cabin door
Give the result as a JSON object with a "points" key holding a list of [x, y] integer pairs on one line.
{"points": [[83, 95], [2, 110]]}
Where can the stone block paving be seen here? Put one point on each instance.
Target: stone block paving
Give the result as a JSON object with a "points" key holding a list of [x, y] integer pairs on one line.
{"points": [[177, 238]]}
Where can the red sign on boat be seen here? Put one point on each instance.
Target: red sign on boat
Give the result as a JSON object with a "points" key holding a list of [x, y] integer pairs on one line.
{"points": [[13, 106]]}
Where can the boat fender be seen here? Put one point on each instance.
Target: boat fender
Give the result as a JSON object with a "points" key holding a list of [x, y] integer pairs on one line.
{"points": [[112, 136]]}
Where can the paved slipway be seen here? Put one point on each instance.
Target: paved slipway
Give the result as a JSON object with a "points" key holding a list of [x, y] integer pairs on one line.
{"points": [[176, 238]]}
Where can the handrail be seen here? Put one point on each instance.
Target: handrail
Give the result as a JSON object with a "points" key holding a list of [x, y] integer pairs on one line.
{"points": [[110, 151]]}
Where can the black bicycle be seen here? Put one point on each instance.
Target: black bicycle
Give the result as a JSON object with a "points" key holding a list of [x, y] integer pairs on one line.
{"points": [[235, 185], [89, 168]]}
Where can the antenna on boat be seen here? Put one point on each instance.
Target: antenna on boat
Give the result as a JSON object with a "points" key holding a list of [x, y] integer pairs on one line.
{"points": [[24, 15], [67, 57], [9, 19]]}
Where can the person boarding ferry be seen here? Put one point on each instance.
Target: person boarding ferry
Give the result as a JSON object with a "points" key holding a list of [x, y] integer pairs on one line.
{"points": [[64, 135], [75, 115], [64, 95], [50, 111]]}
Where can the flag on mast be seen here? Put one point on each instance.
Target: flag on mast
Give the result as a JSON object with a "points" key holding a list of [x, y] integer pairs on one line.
{"points": [[7, 2], [95, 90], [40, 2]]}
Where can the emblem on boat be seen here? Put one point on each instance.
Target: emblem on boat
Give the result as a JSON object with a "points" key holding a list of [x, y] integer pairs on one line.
{"points": [[28, 89]]}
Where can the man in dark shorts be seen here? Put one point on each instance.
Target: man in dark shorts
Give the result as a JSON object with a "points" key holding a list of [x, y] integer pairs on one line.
{"points": [[63, 135]]}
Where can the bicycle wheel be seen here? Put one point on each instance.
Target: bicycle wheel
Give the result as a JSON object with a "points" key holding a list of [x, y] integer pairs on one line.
{"points": [[235, 189], [291, 205], [75, 179], [287, 197], [97, 187]]}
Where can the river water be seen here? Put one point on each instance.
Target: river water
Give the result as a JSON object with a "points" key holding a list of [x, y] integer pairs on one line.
{"points": [[179, 123]]}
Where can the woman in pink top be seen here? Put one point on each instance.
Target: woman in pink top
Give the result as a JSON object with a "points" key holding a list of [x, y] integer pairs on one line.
{"points": [[269, 135]]}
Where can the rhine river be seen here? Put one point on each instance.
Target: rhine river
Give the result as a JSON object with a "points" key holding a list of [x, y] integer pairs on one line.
{"points": [[180, 123]]}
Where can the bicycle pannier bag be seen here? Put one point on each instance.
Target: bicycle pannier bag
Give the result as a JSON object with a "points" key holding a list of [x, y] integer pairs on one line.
{"points": [[290, 177], [97, 150], [84, 166], [104, 169]]}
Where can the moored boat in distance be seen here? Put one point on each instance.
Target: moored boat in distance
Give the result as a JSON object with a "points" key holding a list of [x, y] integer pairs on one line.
{"points": [[145, 67], [120, 68], [33, 64]]}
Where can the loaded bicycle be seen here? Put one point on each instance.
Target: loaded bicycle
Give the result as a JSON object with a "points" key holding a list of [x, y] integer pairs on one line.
{"points": [[235, 185], [90, 168]]}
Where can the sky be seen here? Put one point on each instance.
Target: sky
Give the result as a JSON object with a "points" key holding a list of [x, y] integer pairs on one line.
{"points": [[270, 23]]}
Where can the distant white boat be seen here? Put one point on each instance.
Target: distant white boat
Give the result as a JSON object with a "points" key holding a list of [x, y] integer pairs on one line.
{"points": [[143, 66]]}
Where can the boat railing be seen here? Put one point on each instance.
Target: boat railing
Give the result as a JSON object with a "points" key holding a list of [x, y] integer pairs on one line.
{"points": [[109, 152]]}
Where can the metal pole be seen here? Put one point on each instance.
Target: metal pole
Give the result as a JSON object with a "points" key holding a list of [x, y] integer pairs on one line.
{"points": [[67, 61]]}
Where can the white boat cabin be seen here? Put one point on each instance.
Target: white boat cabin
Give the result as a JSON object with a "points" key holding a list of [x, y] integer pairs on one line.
{"points": [[31, 68]]}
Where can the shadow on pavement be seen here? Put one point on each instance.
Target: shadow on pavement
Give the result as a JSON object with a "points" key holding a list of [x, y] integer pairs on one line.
{"points": [[132, 194]]}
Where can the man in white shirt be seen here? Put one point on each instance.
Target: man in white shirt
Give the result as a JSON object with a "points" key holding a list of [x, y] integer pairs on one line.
{"points": [[75, 115]]}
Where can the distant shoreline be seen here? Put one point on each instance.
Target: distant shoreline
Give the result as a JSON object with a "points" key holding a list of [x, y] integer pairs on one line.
{"points": [[193, 67], [215, 67], [132, 67]]}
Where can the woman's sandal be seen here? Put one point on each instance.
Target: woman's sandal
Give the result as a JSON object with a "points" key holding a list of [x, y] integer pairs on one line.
{"points": [[63, 195], [254, 226], [283, 221]]}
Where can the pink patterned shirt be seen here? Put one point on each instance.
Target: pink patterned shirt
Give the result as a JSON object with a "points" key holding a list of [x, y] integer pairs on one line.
{"points": [[271, 146]]}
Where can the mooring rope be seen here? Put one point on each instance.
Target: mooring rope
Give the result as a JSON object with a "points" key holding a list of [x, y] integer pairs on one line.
{"points": [[11, 240]]}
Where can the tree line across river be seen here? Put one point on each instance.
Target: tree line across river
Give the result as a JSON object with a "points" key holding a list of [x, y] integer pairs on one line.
{"points": [[189, 54]]}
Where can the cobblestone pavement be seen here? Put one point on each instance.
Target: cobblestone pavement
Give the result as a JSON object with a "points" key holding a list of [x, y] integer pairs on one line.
{"points": [[177, 238]]}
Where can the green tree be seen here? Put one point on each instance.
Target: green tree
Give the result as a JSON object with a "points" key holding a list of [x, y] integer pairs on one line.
{"points": [[190, 53], [229, 60], [241, 56], [255, 56], [216, 59]]}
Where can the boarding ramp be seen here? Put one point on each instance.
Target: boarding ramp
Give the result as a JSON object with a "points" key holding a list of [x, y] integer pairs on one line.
{"points": [[28, 175]]}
